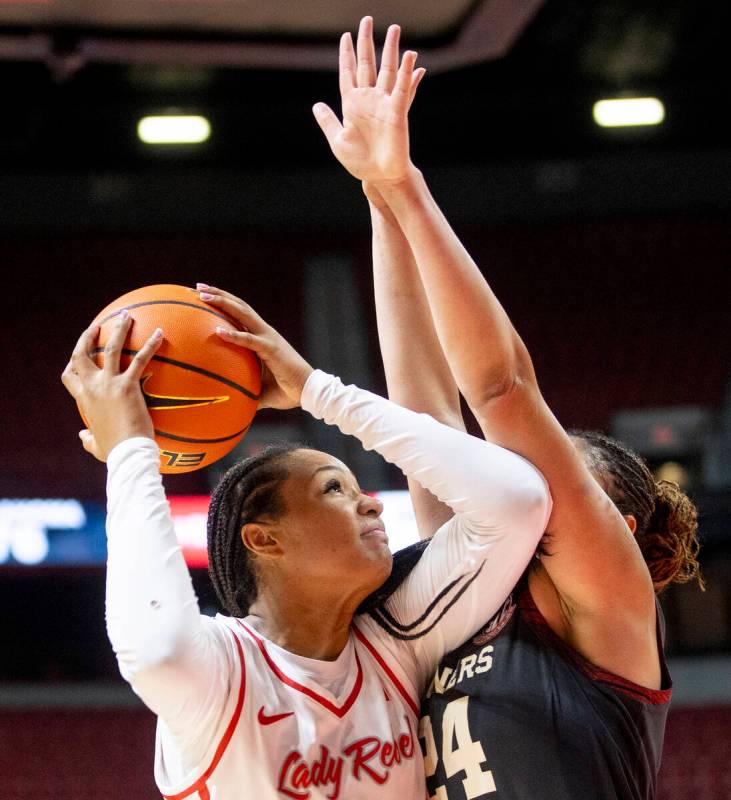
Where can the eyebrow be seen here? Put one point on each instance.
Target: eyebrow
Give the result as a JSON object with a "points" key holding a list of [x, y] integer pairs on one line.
{"points": [[337, 469], [328, 466]]}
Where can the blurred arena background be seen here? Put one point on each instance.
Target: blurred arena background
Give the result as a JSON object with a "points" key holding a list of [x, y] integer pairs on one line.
{"points": [[609, 247]]}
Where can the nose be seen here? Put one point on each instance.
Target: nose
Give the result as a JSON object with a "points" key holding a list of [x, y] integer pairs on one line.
{"points": [[370, 506]]}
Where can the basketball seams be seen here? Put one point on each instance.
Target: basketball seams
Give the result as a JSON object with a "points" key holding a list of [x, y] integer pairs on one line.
{"points": [[191, 367], [188, 440], [167, 302]]}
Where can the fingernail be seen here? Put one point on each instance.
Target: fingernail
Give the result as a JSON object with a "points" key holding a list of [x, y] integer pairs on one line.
{"points": [[202, 286], [222, 331], [206, 296], [157, 334], [123, 315]]}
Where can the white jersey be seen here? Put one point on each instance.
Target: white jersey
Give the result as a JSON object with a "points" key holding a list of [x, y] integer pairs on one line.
{"points": [[240, 717]]}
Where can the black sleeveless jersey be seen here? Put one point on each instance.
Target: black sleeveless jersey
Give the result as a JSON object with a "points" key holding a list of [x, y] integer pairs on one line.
{"points": [[517, 714]]}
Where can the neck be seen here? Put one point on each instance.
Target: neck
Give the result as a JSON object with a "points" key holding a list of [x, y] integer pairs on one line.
{"points": [[305, 624]]}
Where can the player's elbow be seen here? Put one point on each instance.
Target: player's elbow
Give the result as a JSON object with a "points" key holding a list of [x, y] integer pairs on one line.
{"points": [[530, 503], [502, 378]]}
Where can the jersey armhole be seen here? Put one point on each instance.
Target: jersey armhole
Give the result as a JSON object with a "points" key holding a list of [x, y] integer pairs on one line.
{"points": [[623, 686]]}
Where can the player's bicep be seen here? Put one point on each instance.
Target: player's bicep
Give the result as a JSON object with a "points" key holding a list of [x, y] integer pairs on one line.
{"points": [[594, 560]]}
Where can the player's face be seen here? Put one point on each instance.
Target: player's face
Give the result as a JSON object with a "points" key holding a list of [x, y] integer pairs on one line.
{"points": [[331, 531]]}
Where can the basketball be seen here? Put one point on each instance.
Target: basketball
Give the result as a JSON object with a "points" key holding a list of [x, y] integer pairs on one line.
{"points": [[201, 391]]}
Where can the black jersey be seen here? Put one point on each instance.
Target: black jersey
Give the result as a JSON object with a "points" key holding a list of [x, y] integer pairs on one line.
{"points": [[517, 714]]}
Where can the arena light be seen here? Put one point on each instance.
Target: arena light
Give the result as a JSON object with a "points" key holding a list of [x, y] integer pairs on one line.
{"points": [[174, 129], [628, 111]]}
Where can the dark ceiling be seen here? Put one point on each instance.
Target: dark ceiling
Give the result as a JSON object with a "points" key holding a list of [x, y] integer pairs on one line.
{"points": [[535, 102]]}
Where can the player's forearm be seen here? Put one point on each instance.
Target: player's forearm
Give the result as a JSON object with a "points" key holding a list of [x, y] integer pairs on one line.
{"points": [[484, 351], [490, 488], [152, 611], [417, 374]]}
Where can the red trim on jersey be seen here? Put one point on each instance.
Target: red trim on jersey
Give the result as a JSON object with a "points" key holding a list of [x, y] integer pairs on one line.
{"points": [[323, 701], [394, 680], [641, 694], [200, 785]]}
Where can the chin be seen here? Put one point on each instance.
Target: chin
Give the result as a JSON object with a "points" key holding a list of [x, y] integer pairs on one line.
{"points": [[378, 565], [385, 560]]}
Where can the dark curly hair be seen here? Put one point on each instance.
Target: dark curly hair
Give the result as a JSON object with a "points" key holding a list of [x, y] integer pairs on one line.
{"points": [[667, 520]]}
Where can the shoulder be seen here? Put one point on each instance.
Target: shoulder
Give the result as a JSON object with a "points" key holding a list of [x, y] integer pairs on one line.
{"points": [[228, 635]]}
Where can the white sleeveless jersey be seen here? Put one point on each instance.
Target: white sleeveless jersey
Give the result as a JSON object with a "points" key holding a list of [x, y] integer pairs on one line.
{"points": [[239, 718], [281, 735]]}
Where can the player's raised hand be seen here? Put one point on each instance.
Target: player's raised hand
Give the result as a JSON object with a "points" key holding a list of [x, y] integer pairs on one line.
{"points": [[285, 371], [372, 141], [110, 400]]}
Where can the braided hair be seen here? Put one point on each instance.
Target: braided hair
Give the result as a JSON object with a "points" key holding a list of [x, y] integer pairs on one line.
{"points": [[248, 491], [667, 520]]}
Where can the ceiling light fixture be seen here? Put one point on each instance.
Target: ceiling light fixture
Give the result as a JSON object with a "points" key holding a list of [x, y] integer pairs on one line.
{"points": [[628, 111], [174, 129]]}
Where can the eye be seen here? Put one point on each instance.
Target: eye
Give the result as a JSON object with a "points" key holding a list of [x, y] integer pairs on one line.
{"points": [[333, 485]]}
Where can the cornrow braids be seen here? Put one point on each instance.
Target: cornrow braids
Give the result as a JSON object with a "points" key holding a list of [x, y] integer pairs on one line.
{"points": [[667, 520], [247, 491]]}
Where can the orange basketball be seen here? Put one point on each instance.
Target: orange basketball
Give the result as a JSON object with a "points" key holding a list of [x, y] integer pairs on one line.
{"points": [[201, 391]]}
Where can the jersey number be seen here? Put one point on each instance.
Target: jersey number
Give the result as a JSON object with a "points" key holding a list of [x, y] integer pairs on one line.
{"points": [[467, 756]]}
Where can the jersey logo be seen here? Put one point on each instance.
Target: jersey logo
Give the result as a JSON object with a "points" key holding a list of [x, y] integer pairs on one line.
{"points": [[155, 402], [270, 719], [370, 759], [497, 623]]}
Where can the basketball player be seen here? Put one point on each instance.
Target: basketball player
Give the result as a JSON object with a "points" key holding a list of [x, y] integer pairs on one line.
{"points": [[564, 693], [291, 696]]}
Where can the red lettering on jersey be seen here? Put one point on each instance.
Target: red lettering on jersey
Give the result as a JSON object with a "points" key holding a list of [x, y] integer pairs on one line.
{"points": [[366, 754], [296, 774], [389, 753], [364, 750]]}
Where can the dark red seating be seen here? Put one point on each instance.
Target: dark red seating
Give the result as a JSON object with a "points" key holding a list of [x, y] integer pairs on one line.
{"points": [[74, 755], [697, 756]]}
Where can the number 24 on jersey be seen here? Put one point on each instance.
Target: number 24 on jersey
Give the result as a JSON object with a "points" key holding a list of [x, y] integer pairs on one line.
{"points": [[467, 757]]}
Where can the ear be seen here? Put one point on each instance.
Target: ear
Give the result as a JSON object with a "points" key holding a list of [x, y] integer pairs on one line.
{"points": [[261, 540], [631, 522]]}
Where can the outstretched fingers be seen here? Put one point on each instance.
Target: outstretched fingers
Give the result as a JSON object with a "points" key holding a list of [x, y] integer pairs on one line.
{"points": [[366, 71], [389, 60], [415, 81], [328, 121], [347, 65], [401, 94]]}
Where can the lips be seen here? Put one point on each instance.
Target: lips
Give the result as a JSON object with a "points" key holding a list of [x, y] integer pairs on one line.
{"points": [[375, 531]]}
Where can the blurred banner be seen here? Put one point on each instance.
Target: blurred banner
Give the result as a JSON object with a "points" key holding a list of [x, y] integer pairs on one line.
{"points": [[69, 533]]}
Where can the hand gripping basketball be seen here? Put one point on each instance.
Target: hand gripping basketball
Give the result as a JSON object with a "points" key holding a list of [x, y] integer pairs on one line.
{"points": [[110, 400], [285, 371]]}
